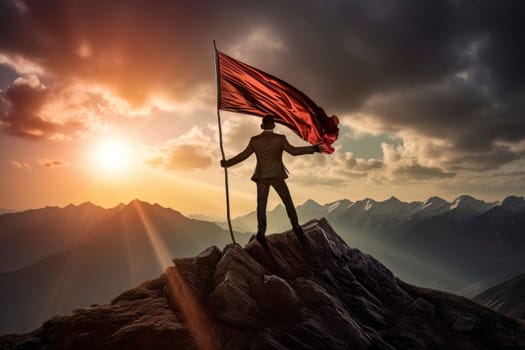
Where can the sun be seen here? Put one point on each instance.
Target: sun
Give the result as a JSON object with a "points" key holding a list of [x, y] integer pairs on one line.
{"points": [[112, 156]]}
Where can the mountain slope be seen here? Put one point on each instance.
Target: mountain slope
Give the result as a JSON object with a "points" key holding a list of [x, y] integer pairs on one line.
{"points": [[323, 295], [464, 246], [31, 235], [132, 245], [507, 297]]}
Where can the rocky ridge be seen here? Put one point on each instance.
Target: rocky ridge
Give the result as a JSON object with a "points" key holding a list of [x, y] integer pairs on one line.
{"points": [[507, 298], [319, 295]]}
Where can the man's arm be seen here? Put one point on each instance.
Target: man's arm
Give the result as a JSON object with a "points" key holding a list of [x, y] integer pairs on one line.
{"points": [[295, 151], [238, 158]]}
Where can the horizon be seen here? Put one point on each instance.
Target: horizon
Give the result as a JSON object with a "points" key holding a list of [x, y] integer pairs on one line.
{"points": [[270, 207], [106, 104]]}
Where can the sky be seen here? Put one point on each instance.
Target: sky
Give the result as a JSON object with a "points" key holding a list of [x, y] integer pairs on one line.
{"points": [[107, 101]]}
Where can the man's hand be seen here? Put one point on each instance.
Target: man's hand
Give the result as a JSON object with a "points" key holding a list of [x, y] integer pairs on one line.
{"points": [[223, 163], [319, 147]]}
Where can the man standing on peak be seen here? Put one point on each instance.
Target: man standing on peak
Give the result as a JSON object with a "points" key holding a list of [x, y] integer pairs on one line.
{"points": [[270, 171]]}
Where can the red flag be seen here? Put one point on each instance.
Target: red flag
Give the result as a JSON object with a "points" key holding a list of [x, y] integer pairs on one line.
{"points": [[245, 89]]}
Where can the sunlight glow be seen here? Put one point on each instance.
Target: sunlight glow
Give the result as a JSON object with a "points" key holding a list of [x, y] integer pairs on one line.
{"points": [[161, 250], [200, 325], [112, 156]]}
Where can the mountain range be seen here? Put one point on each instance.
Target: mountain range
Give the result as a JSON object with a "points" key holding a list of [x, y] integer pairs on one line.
{"points": [[320, 294], [53, 260], [56, 259], [463, 246], [6, 210]]}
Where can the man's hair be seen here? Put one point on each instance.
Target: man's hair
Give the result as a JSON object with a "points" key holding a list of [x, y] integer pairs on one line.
{"points": [[268, 122]]}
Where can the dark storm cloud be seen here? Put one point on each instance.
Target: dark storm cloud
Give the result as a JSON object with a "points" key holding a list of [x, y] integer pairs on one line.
{"points": [[456, 110], [497, 156], [420, 172], [446, 69]]}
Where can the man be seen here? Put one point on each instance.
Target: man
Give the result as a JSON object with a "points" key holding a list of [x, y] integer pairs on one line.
{"points": [[270, 171]]}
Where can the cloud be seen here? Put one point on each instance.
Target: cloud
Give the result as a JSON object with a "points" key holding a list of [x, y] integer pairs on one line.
{"points": [[444, 74], [188, 157], [21, 113], [350, 50], [29, 109], [413, 161], [337, 169], [51, 163], [237, 130], [420, 172], [21, 65], [20, 165], [20, 6], [187, 152], [496, 157], [361, 164]]}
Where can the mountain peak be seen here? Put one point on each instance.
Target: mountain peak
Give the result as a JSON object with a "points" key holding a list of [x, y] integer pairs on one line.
{"points": [[137, 201], [471, 203], [338, 207], [310, 202], [318, 295], [278, 207], [513, 203], [393, 200], [464, 198], [435, 200], [139, 205]]}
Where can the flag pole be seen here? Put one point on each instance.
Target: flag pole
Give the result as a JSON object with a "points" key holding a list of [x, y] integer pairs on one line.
{"points": [[217, 77]]}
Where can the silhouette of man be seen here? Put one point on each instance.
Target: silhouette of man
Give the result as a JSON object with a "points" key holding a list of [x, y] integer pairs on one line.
{"points": [[270, 171]]}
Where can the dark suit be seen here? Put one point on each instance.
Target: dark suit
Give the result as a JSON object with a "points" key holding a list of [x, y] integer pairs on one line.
{"points": [[270, 171]]}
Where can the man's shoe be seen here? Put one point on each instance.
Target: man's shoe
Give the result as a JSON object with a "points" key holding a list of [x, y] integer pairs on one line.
{"points": [[261, 238], [298, 230]]}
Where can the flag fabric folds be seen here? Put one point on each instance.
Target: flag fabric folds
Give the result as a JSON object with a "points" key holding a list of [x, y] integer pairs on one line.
{"points": [[245, 89]]}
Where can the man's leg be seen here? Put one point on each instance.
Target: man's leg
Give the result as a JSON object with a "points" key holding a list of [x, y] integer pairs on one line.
{"points": [[263, 188], [282, 190]]}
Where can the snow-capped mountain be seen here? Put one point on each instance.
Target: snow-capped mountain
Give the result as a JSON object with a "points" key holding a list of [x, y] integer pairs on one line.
{"points": [[466, 207], [278, 220]]}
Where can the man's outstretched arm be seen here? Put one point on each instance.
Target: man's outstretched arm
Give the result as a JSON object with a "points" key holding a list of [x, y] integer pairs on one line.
{"points": [[238, 158], [295, 151]]}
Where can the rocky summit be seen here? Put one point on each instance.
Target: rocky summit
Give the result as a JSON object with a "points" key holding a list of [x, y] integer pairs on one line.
{"points": [[320, 294]]}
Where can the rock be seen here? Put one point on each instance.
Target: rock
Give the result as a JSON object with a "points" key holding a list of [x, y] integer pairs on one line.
{"points": [[423, 306], [231, 303], [199, 271], [277, 295], [130, 322], [466, 323]]}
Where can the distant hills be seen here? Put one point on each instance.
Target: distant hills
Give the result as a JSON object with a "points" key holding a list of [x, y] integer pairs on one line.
{"points": [[463, 246], [82, 255], [6, 210], [31, 235]]}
